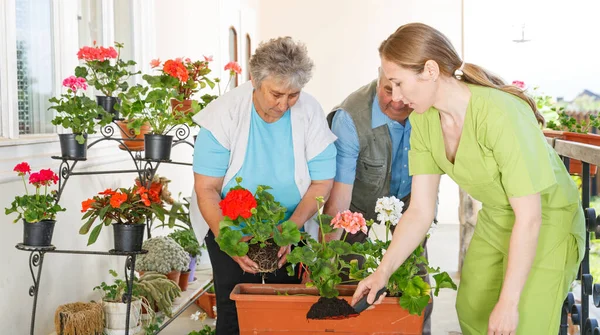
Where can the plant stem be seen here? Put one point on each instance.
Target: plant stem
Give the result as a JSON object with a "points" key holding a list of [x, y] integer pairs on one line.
{"points": [[387, 231], [228, 82], [375, 233], [25, 184]]}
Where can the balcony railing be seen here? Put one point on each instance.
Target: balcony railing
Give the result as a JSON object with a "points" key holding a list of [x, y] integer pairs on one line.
{"points": [[580, 311]]}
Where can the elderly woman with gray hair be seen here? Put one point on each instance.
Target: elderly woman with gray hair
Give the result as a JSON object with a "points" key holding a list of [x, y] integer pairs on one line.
{"points": [[268, 132]]}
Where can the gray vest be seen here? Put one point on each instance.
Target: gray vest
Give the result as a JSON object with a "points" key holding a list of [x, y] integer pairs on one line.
{"points": [[374, 164]]}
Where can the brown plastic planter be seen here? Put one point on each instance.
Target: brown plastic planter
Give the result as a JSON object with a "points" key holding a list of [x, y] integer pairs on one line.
{"points": [[207, 301], [278, 309], [575, 166]]}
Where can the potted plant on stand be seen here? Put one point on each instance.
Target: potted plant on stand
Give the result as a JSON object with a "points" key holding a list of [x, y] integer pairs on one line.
{"points": [[114, 304], [158, 291], [38, 210], [141, 105], [187, 240], [78, 112], [107, 72], [188, 78], [127, 210], [164, 256], [259, 216]]}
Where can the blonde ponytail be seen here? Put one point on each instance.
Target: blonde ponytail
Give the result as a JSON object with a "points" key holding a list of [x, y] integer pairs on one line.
{"points": [[413, 44], [474, 74]]}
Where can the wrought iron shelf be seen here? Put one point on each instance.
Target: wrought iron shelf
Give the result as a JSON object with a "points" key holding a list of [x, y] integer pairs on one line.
{"points": [[36, 260], [145, 168]]}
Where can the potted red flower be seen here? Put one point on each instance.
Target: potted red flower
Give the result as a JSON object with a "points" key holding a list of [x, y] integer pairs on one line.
{"points": [[187, 77], [106, 71], [38, 209], [127, 210], [257, 217]]}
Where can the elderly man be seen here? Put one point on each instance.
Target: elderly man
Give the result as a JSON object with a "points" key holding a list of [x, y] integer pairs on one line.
{"points": [[372, 156]]}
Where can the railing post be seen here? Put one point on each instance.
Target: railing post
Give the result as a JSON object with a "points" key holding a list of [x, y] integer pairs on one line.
{"points": [[585, 264]]}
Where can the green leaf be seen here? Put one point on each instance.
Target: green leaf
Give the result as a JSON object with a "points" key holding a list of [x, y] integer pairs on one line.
{"points": [[414, 305], [94, 235], [289, 234], [340, 247], [443, 280], [229, 241], [86, 227]]}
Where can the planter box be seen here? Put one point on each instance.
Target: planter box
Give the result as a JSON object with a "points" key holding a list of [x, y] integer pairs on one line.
{"points": [[575, 166], [278, 309]]}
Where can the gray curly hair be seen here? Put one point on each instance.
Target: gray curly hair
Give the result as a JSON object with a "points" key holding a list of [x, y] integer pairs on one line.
{"points": [[282, 59]]}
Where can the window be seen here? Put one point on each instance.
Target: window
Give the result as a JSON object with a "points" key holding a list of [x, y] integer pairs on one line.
{"points": [[123, 32], [35, 65], [248, 55], [233, 52], [89, 17]]}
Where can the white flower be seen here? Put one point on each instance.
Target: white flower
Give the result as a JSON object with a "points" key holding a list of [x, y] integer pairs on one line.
{"points": [[388, 209], [195, 316]]}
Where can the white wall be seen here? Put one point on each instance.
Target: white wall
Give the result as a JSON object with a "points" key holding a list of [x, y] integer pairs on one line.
{"points": [[204, 30], [342, 36]]}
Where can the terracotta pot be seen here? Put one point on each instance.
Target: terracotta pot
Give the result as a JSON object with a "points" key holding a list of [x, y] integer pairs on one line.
{"points": [[277, 308], [575, 166], [207, 301], [184, 106], [184, 280], [130, 140], [174, 276]]}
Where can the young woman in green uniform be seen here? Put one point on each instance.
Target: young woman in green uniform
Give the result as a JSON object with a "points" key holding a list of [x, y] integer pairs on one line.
{"points": [[486, 136]]}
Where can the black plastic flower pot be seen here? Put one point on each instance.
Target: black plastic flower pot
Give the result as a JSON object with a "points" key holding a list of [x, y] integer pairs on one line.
{"points": [[158, 147], [38, 234], [108, 103], [70, 148], [128, 237]]}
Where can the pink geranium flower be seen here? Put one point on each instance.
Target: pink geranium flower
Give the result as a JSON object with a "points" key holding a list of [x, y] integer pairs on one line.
{"points": [[233, 67], [350, 222], [519, 84], [75, 83], [155, 63]]}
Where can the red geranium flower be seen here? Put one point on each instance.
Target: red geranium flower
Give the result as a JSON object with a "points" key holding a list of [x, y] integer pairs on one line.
{"points": [[47, 177], [238, 203], [35, 179], [176, 69], [22, 168]]}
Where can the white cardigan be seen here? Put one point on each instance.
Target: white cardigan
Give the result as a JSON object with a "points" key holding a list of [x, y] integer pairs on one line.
{"points": [[228, 119]]}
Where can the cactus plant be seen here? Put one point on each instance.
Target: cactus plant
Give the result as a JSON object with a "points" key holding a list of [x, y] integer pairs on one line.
{"points": [[158, 291]]}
